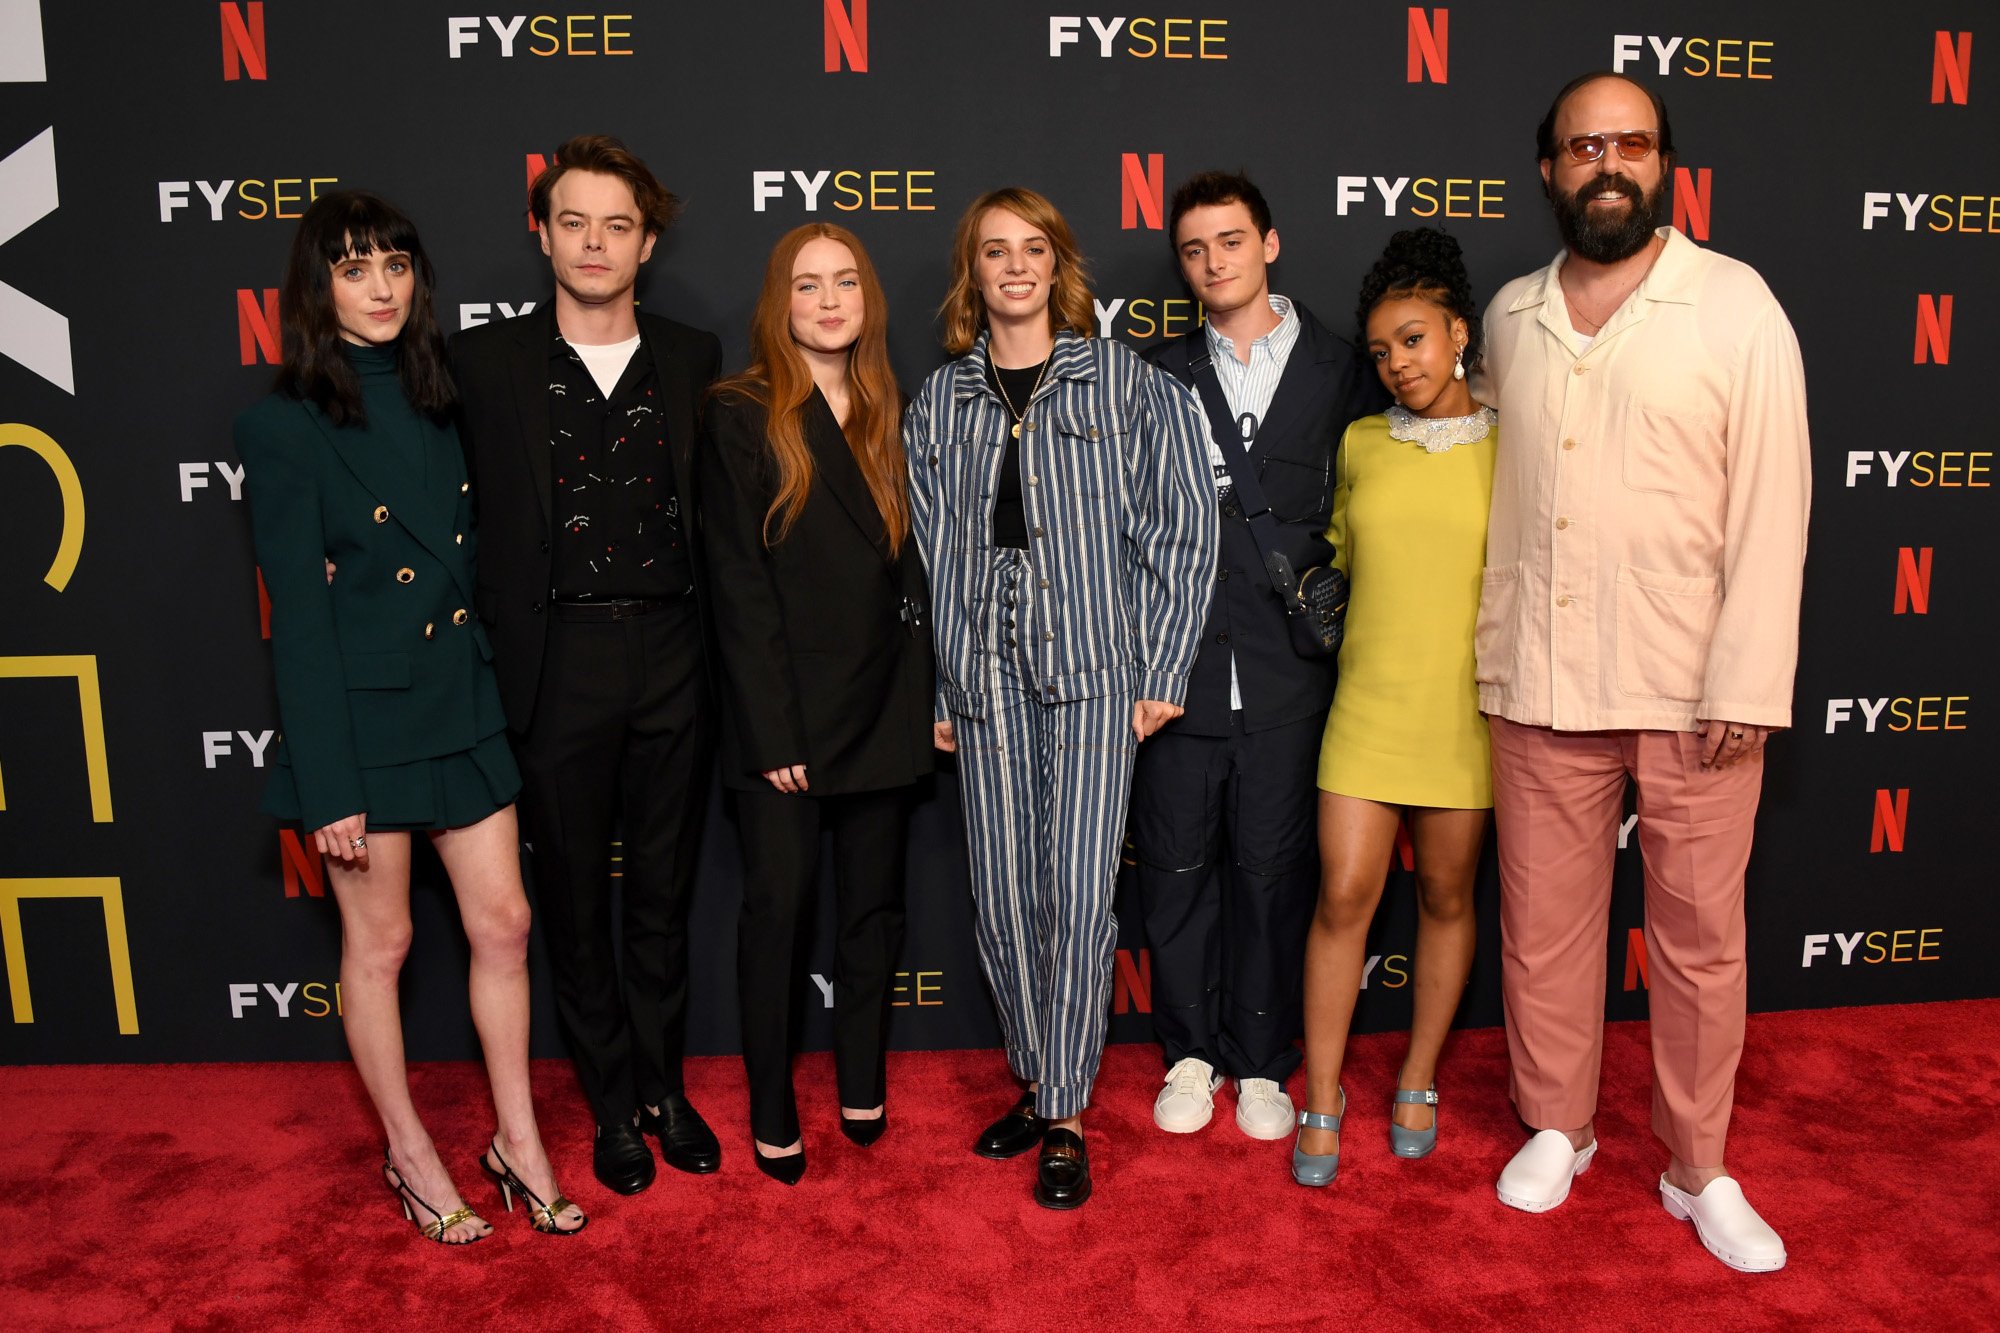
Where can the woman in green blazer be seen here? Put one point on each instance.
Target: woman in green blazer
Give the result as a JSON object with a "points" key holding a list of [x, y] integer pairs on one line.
{"points": [[388, 703]]}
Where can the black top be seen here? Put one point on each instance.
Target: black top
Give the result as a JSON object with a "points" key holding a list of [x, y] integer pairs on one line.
{"points": [[1010, 521], [819, 665], [502, 373], [618, 518]]}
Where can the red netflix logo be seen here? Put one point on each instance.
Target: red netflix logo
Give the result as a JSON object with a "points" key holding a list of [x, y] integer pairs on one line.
{"points": [[537, 164], [1142, 192], [1132, 982], [1933, 329], [1635, 960], [1951, 68], [1429, 45], [1892, 819], [257, 326], [1913, 580], [846, 35], [1692, 201], [301, 865], [243, 51]]}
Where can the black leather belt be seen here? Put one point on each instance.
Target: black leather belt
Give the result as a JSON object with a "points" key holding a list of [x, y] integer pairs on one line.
{"points": [[605, 608]]}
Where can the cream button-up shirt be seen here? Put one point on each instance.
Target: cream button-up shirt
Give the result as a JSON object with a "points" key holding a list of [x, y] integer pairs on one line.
{"points": [[1648, 534]]}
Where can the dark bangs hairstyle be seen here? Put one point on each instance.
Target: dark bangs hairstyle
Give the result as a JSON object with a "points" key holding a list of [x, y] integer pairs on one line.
{"points": [[355, 224], [1211, 189], [1426, 263]]}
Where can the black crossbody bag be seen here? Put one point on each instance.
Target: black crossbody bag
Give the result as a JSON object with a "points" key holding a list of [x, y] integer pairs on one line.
{"points": [[1316, 603]]}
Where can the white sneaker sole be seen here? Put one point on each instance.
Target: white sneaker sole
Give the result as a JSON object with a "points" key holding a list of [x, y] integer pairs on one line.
{"points": [[1184, 1126], [1528, 1205], [1271, 1135], [1676, 1209]]}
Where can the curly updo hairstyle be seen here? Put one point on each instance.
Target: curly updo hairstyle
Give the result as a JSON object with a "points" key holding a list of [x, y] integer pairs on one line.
{"points": [[1423, 262]]}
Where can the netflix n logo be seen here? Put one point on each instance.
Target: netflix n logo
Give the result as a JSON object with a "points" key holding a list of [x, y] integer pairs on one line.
{"points": [[1692, 201], [243, 53], [1428, 47], [1933, 329], [846, 35], [1142, 187], [1913, 580], [1951, 67], [1892, 819], [257, 337]]}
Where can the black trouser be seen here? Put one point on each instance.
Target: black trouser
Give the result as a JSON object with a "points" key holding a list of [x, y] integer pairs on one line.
{"points": [[620, 735], [781, 838], [1225, 832]]}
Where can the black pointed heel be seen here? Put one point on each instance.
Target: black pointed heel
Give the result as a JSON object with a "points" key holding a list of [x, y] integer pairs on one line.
{"points": [[786, 1170], [865, 1132]]}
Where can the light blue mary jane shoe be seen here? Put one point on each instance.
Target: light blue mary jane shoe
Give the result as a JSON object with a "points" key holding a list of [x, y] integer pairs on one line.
{"points": [[1414, 1142], [1317, 1169]]}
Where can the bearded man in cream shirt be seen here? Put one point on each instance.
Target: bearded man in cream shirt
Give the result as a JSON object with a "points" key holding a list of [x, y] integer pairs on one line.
{"points": [[1638, 622]]}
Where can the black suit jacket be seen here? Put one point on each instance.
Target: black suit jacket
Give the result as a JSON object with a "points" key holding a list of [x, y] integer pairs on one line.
{"points": [[502, 373], [816, 663], [1326, 385]]}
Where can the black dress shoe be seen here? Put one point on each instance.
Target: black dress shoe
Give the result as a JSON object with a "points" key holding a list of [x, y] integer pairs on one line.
{"points": [[787, 1170], [1014, 1133], [621, 1159], [865, 1132], [1062, 1176], [686, 1141]]}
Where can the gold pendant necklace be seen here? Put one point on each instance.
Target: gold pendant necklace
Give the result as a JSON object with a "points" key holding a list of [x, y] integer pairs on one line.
{"points": [[1001, 385]]}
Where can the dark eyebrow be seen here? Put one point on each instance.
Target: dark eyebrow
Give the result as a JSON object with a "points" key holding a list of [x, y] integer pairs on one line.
{"points": [[608, 217]]}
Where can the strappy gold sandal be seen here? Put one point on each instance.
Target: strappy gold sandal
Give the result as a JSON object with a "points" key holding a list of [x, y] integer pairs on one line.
{"points": [[440, 1222], [542, 1217]]}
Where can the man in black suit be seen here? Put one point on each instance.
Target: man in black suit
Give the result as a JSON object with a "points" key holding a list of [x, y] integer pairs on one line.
{"points": [[579, 423], [1223, 797]]}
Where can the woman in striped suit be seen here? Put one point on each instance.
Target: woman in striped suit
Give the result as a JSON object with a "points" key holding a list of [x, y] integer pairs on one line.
{"points": [[1061, 498]]}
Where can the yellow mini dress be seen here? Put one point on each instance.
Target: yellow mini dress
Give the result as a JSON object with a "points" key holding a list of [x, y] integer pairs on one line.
{"points": [[1409, 530]]}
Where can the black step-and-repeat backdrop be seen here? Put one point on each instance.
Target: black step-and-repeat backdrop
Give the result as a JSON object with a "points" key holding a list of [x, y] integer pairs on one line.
{"points": [[153, 155]]}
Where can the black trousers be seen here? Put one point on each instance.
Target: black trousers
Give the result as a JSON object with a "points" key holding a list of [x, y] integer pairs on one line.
{"points": [[1225, 831], [620, 736], [781, 845]]}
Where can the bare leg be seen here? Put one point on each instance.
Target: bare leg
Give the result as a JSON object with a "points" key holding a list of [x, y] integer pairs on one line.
{"points": [[1447, 847], [1356, 838], [374, 941], [484, 863]]}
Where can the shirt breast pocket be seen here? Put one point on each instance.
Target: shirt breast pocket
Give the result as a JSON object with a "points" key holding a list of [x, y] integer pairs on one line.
{"points": [[1675, 452], [1085, 457], [1295, 490]]}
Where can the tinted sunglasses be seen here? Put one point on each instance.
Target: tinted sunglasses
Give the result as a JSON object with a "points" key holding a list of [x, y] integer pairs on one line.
{"points": [[1632, 145]]}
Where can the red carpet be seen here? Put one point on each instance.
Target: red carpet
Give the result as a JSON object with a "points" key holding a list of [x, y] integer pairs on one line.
{"points": [[241, 1196]]}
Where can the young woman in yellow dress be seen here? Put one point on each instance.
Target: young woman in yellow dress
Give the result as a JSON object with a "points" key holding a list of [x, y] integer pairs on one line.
{"points": [[1405, 734]]}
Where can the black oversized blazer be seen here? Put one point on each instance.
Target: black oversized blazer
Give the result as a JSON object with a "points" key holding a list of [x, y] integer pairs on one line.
{"points": [[818, 668], [1326, 385], [502, 373]]}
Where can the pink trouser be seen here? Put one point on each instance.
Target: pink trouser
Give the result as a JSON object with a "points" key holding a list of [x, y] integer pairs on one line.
{"points": [[1557, 801]]}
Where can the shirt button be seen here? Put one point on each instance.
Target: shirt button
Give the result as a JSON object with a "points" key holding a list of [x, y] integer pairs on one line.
{"points": [[1569, 444], [1027, 425], [459, 617], [406, 575], [1048, 689], [1034, 481], [934, 460], [536, 608], [1038, 532], [1092, 433], [381, 513], [1222, 638], [1010, 643], [1044, 582], [1222, 576], [1580, 368], [1048, 636], [1562, 523], [1563, 600]]}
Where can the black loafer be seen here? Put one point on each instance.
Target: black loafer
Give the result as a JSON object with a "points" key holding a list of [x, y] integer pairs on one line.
{"points": [[1062, 1176], [686, 1141], [621, 1159], [1014, 1133]]}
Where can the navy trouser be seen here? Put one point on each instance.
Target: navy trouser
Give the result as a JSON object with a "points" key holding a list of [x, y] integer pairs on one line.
{"points": [[1224, 830], [1044, 786]]}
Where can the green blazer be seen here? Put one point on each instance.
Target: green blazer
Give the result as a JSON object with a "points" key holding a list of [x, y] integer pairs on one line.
{"points": [[387, 665]]}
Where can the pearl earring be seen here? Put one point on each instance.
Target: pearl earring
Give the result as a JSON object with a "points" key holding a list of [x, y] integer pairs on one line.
{"points": [[1458, 365]]}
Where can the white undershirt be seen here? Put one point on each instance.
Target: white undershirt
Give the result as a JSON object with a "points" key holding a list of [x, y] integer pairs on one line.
{"points": [[607, 361]]}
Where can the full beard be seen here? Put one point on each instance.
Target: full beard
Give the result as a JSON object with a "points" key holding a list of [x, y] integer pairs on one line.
{"points": [[1605, 236]]}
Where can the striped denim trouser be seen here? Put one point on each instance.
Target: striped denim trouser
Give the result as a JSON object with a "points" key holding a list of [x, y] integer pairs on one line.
{"points": [[1045, 788]]}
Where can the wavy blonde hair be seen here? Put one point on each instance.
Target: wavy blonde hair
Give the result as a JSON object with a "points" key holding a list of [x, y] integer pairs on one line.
{"points": [[780, 381], [964, 310]]}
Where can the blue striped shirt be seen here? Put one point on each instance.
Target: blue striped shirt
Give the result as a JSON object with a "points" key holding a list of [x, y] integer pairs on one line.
{"points": [[1120, 509]]}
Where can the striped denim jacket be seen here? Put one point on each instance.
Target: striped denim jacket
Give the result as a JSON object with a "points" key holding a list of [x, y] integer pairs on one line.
{"points": [[1120, 507]]}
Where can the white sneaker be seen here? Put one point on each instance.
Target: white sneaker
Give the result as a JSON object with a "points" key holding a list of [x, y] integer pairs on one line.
{"points": [[1188, 1101], [1263, 1108], [1727, 1225], [1538, 1178]]}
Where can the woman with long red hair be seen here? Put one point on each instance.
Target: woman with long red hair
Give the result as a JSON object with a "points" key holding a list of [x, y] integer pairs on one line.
{"points": [[826, 666]]}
